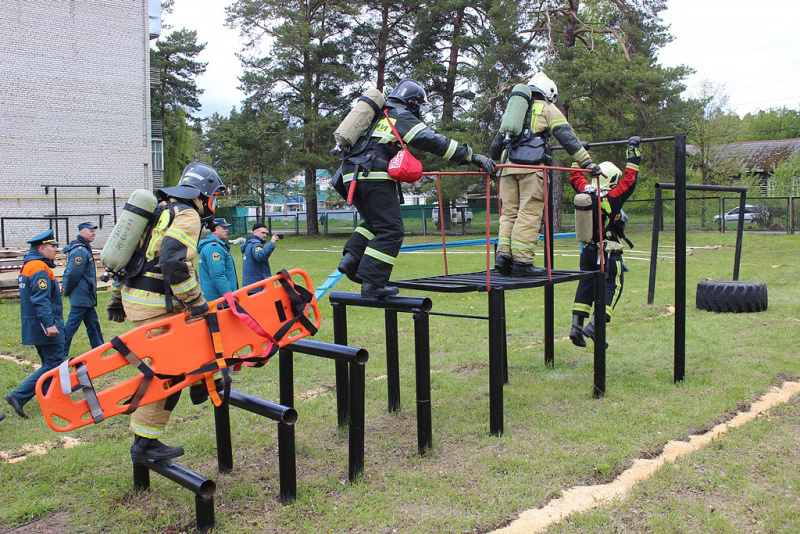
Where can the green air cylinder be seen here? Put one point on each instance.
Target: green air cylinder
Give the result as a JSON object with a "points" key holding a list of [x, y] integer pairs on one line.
{"points": [[584, 219], [516, 110], [124, 238], [359, 119]]}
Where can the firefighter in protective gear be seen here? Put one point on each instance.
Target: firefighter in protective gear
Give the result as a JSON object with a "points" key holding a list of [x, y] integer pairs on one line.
{"points": [[614, 188], [522, 190], [167, 285], [370, 253]]}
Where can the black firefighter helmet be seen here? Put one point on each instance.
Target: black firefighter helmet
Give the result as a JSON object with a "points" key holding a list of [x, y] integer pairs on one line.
{"points": [[197, 181], [411, 94]]}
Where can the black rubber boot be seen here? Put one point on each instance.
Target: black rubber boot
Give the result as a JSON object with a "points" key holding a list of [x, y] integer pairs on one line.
{"points": [[502, 264], [14, 403], [371, 290], [588, 330], [576, 334], [349, 267], [521, 269], [151, 449]]}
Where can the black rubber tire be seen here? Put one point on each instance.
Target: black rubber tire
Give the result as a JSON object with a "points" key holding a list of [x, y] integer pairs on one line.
{"points": [[731, 296]]}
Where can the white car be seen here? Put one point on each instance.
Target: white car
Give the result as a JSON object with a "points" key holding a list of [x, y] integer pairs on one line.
{"points": [[750, 213], [456, 214]]}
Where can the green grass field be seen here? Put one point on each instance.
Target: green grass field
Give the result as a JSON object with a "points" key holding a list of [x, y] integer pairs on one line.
{"points": [[556, 434]]}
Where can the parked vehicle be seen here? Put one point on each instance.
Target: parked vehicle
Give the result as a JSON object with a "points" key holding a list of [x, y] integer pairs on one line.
{"points": [[456, 216], [751, 213]]}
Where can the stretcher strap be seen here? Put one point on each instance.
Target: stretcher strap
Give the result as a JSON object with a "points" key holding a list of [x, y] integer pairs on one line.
{"points": [[301, 298], [212, 321], [148, 373], [84, 383]]}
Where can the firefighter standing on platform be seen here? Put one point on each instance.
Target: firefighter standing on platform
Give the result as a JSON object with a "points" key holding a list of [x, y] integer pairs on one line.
{"points": [[167, 286], [522, 190], [614, 188], [370, 253]]}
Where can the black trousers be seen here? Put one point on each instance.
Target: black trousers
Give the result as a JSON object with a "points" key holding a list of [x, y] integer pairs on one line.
{"points": [[377, 241], [584, 295]]}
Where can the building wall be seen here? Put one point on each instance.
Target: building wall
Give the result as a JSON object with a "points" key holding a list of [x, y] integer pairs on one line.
{"points": [[74, 110]]}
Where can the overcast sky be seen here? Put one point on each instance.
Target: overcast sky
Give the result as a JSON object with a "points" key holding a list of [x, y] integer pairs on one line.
{"points": [[752, 48]]}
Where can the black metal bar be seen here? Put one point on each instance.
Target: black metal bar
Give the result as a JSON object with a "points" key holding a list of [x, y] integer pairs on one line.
{"points": [[141, 477], [342, 380], [549, 325], [680, 257], [356, 428], [739, 233], [651, 286], [422, 357], [265, 408], [397, 302], [55, 211], [222, 424], [496, 334], [3, 231], [287, 466], [700, 187], [204, 511], [623, 142], [194, 482], [333, 351], [599, 334], [392, 361], [114, 203]]}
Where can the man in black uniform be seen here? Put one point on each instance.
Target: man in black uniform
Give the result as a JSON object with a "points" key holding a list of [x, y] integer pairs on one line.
{"points": [[371, 251], [614, 189]]}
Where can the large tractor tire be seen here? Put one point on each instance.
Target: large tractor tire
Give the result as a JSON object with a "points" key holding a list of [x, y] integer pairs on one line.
{"points": [[731, 296]]}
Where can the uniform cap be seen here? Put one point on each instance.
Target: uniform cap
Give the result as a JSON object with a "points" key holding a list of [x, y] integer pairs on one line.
{"points": [[85, 225], [45, 238]]}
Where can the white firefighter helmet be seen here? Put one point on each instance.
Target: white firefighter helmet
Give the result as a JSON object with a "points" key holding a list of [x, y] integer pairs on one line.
{"points": [[540, 83], [610, 177]]}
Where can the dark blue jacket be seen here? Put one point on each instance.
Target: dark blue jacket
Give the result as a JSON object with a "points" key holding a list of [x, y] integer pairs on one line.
{"points": [[80, 275], [40, 300], [255, 260], [216, 268]]}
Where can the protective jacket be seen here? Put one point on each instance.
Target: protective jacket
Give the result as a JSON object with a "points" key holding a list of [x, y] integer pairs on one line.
{"points": [[216, 268], [255, 259], [80, 275], [168, 281], [40, 300], [374, 149], [613, 200], [545, 119]]}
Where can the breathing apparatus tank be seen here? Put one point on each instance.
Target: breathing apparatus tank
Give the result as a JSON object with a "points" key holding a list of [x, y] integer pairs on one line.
{"points": [[584, 217], [516, 110], [121, 244], [358, 120]]}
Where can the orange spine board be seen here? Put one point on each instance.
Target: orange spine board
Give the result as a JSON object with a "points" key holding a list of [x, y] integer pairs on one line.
{"points": [[184, 347]]}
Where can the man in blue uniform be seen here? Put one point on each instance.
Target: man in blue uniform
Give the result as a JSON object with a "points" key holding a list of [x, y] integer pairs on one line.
{"points": [[255, 255], [80, 285], [216, 267], [42, 314]]}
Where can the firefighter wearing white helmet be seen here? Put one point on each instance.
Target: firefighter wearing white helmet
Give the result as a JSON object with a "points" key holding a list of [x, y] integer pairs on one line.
{"points": [[614, 187], [165, 284], [522, 189]]}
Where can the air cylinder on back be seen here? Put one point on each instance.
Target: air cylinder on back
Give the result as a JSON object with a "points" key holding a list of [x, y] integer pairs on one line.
{"points": [[584, 217], [516, 110], [359, 119], [124, 238]]}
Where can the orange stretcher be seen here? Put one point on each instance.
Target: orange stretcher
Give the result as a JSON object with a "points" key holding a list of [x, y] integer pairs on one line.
{"points": [[242, 329]]}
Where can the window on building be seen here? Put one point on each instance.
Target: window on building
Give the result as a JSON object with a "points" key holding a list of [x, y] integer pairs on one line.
{"points": [[157, 146]]}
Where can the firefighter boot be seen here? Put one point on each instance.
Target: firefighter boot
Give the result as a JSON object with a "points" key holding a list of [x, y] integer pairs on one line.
{"points": [[144, 449], [502, 264], [588, 330], [371, 290], [522, 269], [576, 334], [349, 267]]}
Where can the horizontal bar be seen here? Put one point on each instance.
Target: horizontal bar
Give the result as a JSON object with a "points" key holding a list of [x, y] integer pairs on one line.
{"points": [[460, 315], [699, 187], [196, 483], [329, 350], [276, 412], [622, 142], [396, 302]]}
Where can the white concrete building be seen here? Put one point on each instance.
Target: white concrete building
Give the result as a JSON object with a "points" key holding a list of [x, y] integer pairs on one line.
{"points": [[74, 112]]}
